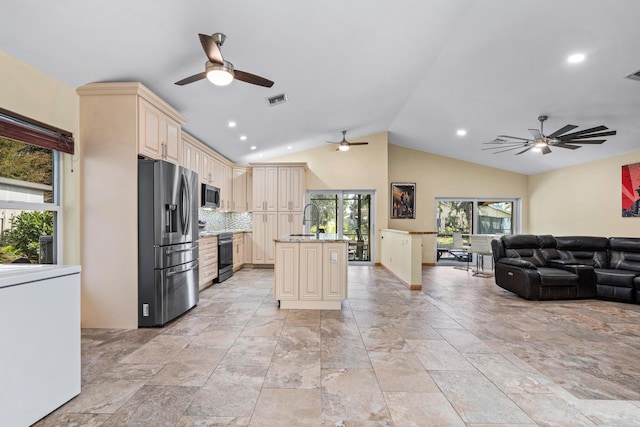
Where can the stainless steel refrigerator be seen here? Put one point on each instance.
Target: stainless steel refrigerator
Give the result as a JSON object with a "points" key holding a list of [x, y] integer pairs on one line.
{"points": [[167, 241]]}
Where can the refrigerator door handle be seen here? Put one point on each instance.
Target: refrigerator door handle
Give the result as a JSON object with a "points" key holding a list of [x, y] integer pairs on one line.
{"points": [[189, 268], [175, 251], [185, 204]]}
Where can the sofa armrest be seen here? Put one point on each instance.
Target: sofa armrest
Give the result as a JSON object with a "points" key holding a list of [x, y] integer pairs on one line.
{"points": [[517, 262]]}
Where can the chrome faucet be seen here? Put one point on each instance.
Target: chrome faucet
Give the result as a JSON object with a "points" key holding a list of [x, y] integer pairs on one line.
{"points": [[305, 220]]}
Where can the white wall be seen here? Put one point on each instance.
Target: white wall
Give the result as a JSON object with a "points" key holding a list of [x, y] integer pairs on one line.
{"points": [[27, 91], [582, 200]]}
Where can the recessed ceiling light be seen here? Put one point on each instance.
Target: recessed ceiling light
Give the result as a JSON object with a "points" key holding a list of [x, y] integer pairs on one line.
{"points": [[289, 148], [575, 58], [253, 147], [243, 137], [461, 132], [232, 124]]}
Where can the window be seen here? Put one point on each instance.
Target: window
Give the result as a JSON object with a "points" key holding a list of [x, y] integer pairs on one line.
{"points": [[472, 216], [29, 202]]}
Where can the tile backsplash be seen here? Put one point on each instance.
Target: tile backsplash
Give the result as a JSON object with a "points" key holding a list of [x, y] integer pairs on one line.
{"points": [[217, 221]]}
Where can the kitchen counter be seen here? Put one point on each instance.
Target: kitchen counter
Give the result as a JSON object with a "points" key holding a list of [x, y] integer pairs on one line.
{"points": [[324, 238], [217, 232], [40, 329], [14, 274]]}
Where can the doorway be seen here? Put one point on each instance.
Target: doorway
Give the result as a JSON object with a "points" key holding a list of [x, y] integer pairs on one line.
{"points": [[349, 215]]}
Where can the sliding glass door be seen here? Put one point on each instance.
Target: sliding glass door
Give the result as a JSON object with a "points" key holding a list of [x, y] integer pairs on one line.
{"points": [[456, 219], [348, 215]]}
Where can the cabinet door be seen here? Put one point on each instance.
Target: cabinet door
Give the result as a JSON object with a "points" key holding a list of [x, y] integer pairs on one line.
{"points": [[248, 248], [334, 271], [297, 187], [284, 189], [149, 130], [238, 251], [171, 140], [265, 227], [310, 280], [187, 156], [265, 188], [290, 223], [286, 271], [239, 185]]}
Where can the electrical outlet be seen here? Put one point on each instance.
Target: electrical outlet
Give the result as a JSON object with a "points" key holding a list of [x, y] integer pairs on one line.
{"points": [[334, 257], [145, 310]]}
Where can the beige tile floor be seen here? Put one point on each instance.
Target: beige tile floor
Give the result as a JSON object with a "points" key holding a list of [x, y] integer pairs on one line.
{"points": [[460, 352]]}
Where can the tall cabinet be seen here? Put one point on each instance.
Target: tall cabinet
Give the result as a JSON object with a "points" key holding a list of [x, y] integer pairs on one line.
{"points": [[277, 202], [118, 122]]}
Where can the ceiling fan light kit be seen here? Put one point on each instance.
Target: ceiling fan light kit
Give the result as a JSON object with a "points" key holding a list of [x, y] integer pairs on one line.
{"points": [[542, 142], [220, 74]]}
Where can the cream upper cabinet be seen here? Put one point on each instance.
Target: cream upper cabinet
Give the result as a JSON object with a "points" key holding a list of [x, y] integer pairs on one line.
{"points": [[159, 135], [265, 188], [291, 188], [206, 169], [239, 202]]}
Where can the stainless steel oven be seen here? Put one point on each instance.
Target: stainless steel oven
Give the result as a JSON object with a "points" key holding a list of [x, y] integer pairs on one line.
{"points": [[225, 256]]}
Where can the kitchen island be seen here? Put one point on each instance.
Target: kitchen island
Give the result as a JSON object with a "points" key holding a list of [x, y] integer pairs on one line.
{"points": [[310, 272], [40, 330]]}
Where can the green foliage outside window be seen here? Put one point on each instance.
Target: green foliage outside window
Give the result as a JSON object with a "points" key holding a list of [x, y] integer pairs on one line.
{"points": [[22, 239]]}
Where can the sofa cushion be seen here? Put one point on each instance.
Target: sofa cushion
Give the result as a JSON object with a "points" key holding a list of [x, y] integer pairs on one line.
{"points": [[615, 277], [556, 277], [583, 250], [523, 246], [624, 253]]}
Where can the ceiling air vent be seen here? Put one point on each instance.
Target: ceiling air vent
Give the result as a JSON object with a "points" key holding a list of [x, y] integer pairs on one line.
{"points": [[278, 99], [634, 76]]}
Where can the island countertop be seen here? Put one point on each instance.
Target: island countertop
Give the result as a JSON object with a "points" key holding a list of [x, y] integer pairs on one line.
{"points": [[409, 231], [324, 238], [15, 274]]}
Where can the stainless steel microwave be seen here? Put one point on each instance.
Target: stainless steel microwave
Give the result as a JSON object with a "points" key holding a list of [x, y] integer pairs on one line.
{"points": [[210, 197]]}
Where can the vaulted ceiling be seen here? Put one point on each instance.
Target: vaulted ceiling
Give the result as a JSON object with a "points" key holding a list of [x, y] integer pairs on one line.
{"points": [[420, 69]]}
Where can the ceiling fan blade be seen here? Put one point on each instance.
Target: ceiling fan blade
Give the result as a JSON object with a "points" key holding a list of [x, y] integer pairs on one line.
{"points": [[560, 131], [580, 141], [525, 150], [513, 137], [571, 147], [582, 132], [251, 78], [211, 49], [507, 149], [536, 134], [611, 132], [545, 150], [358, 143], [192, 79]]}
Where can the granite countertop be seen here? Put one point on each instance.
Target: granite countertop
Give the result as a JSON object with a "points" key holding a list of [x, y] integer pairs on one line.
{"points": [[410, 231], [17, 274], [215, 233], [324, 238]]}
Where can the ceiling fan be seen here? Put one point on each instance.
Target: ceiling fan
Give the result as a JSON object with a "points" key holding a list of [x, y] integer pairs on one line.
{"points": [[542, 142], [219, 71], [344, 145]]}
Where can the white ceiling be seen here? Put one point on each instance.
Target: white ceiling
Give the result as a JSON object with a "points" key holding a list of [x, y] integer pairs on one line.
{"points": [[420, 69]]}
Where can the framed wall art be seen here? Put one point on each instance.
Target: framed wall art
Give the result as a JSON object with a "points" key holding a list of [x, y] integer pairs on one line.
{"points": [[631, 190], [403, 200]]}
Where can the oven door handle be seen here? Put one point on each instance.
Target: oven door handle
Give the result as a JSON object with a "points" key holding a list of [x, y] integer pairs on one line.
{"points": [[191, 267]]}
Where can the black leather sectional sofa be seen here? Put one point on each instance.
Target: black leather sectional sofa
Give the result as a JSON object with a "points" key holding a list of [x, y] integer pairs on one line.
{"points": [[544, 267]]}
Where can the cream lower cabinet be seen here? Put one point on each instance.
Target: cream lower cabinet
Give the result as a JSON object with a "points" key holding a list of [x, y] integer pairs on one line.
{"points": [[238, 251], [208, 260], [248, 249], [310, 274]]}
